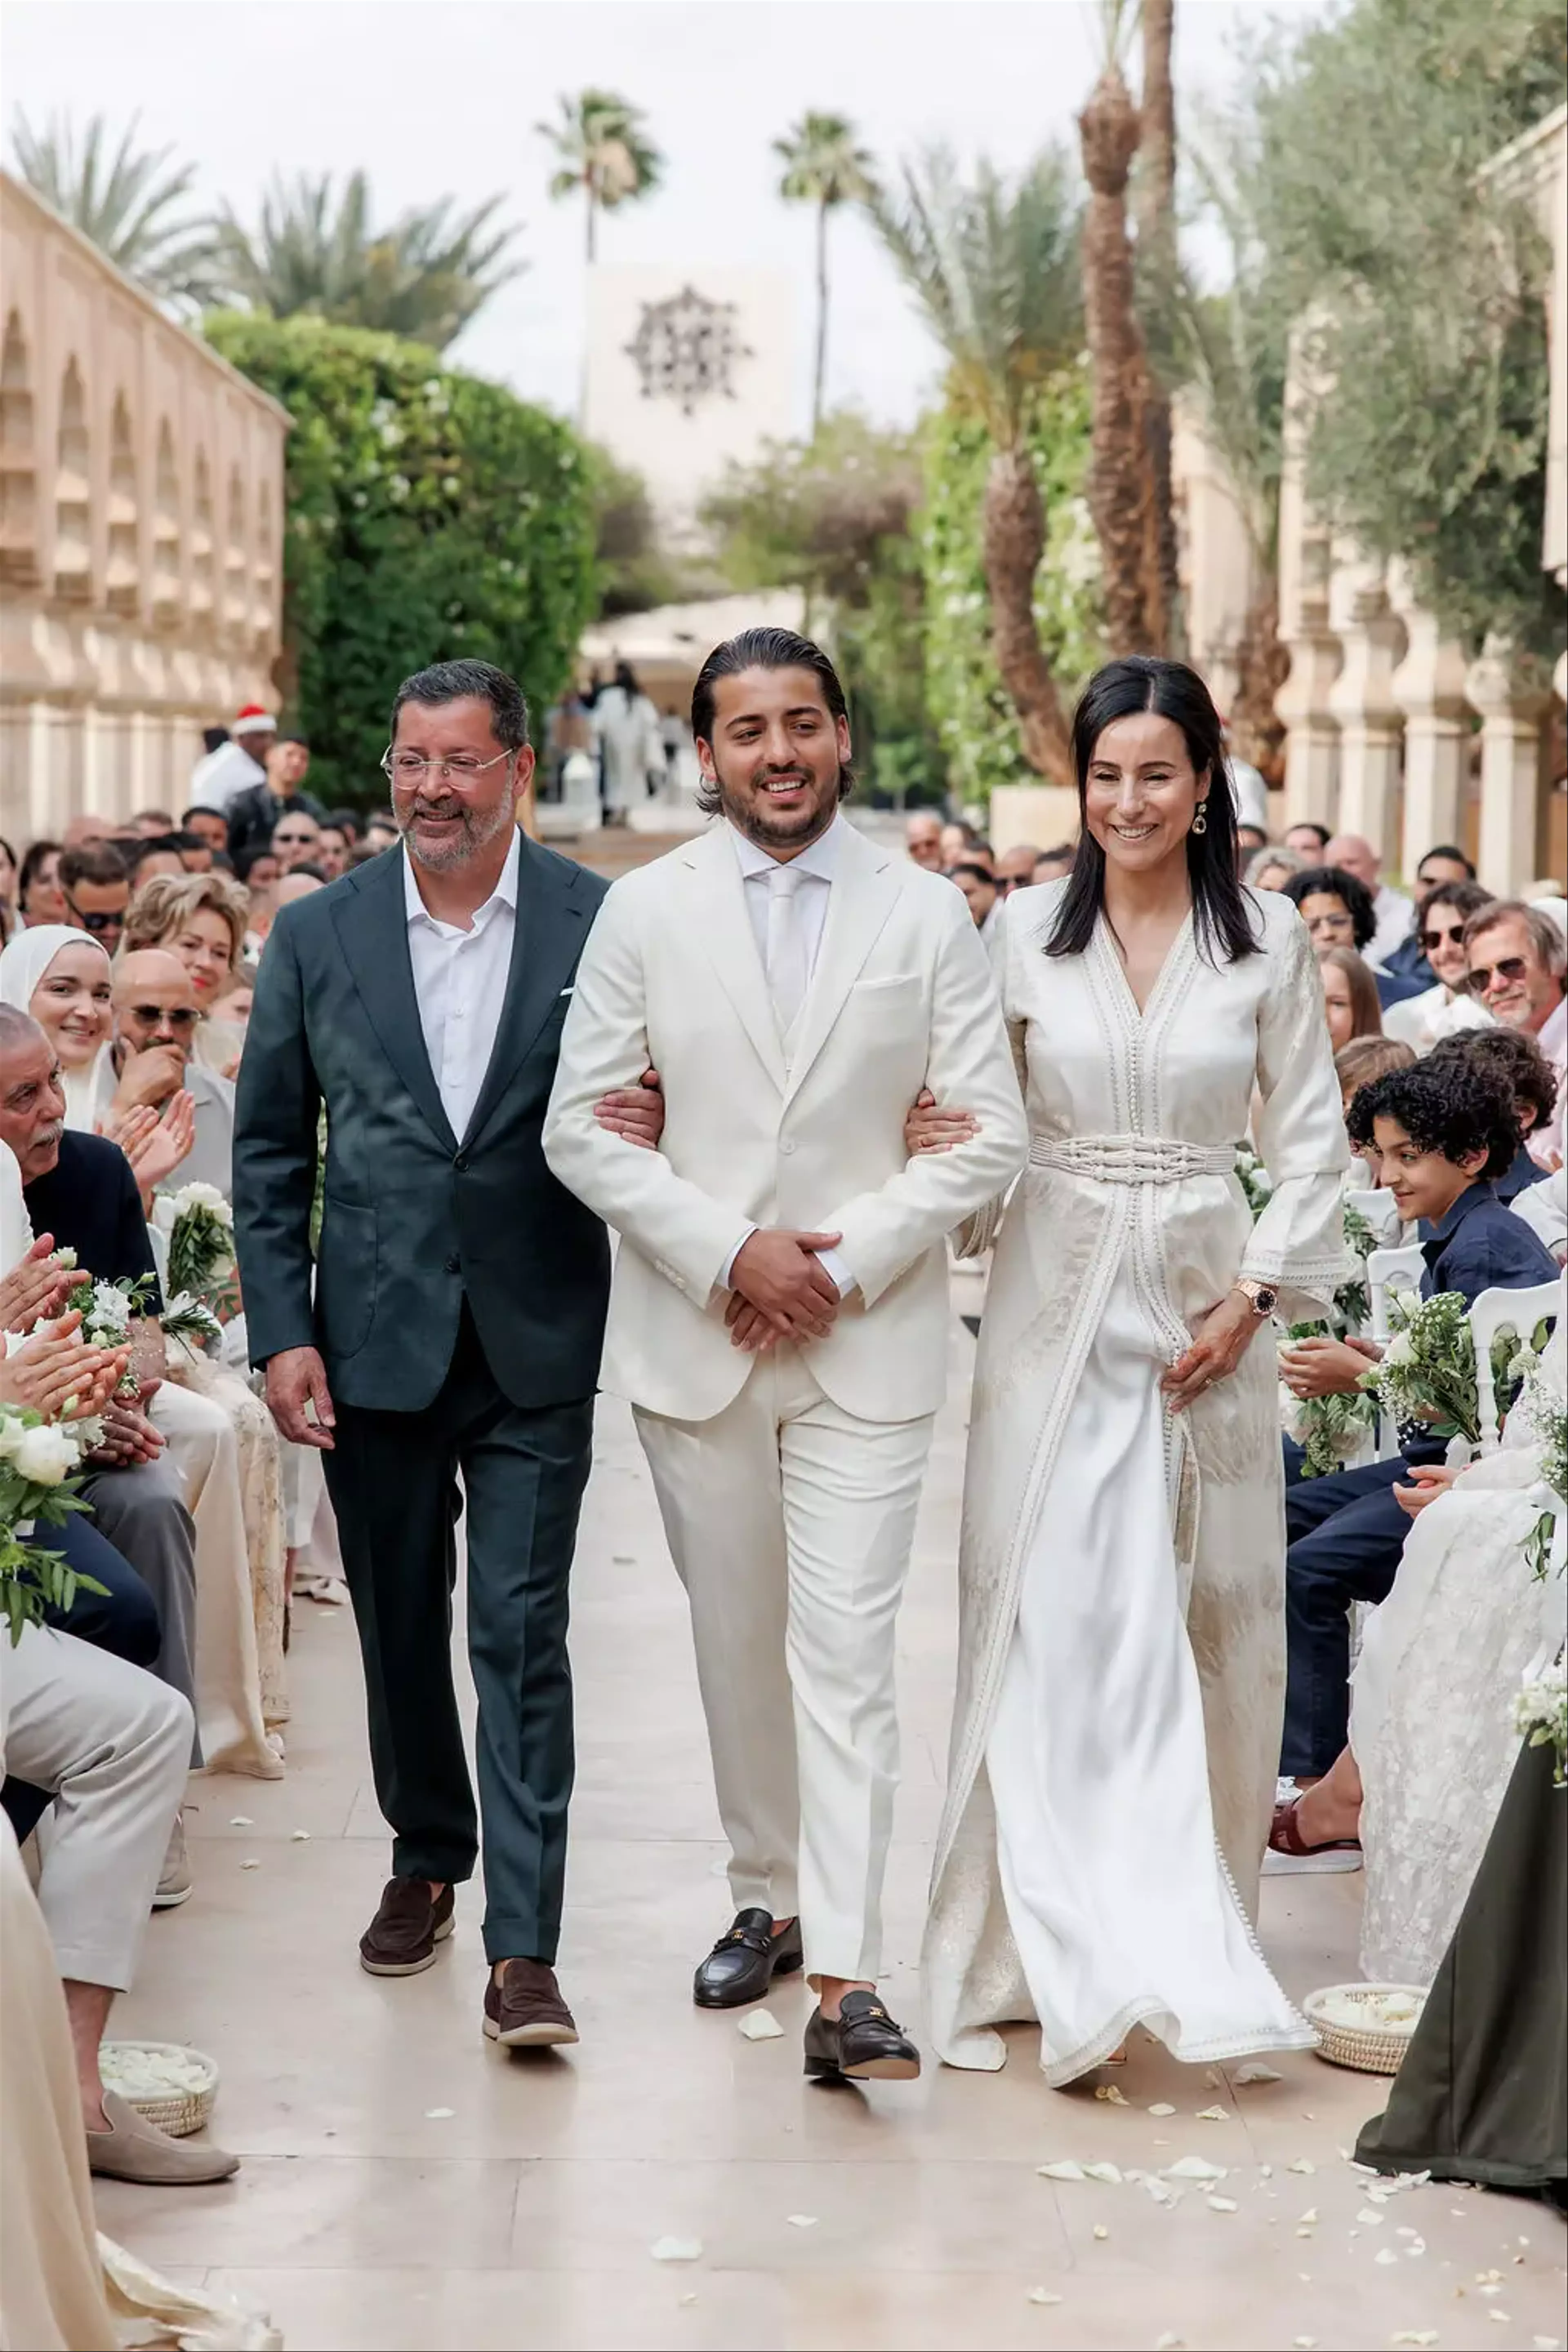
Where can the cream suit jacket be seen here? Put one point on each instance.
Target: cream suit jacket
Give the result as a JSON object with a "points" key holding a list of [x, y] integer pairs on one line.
{"points": [[902, 997]]}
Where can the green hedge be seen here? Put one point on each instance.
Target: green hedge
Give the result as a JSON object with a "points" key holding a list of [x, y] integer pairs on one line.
{"points": [[972, 709], [430, 515]]}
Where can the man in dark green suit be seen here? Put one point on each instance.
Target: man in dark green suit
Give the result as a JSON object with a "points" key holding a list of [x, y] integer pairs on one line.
{"points": [[458, 1309]]}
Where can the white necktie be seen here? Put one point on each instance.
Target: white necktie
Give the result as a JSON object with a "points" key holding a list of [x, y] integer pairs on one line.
{"points": [[787, 945]]}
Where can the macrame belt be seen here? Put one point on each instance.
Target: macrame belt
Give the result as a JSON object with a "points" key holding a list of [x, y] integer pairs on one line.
{"points": [[1131, 1159]]}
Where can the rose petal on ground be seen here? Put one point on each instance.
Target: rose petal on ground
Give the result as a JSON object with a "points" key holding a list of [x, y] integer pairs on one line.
{"points": [[1501, 2316], [801, 2221], [1110, 2094], [1254, 2071], [1547, 2343], [240, 1821], [1303, 2342], [1221, 2204], [760, 2025], [1415, 2335], [1169, 2343], [1064, 2169], [1109, 2173], [677, 2250], [1214, 2078], [1310, 2214], [1195, 2168], [1100, 2231], [251, 1865], [1302, 2164], [1044, 2294], [1163, 2108], [1386, 2254], [1370, 2219], [1214, 2114], [300, 1837], [438, 2114], [688, 2299]]}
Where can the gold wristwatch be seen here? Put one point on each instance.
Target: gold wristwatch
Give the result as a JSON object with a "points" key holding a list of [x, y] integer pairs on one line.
{"points": [[1263, 1296]]}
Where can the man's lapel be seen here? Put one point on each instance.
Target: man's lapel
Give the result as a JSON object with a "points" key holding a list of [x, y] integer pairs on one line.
{"points": [[372, 930], [554, 913], [864, 893], [722, 927]]}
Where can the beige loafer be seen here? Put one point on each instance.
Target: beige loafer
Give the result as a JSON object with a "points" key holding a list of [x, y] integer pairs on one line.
{"points": [[134, 2150]]}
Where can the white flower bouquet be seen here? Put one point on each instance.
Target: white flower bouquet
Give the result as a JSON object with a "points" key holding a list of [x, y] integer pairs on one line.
{"points": [[1547, 1419], [199, 1224], [1427, 1374], [1541, 1716], [38, 1459], [1329, 1429]]}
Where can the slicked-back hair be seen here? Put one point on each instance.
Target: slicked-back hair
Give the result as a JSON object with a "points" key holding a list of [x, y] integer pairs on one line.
{"points": [[1222, 920], [1445, 1104], [763, 649], [452, 681]]}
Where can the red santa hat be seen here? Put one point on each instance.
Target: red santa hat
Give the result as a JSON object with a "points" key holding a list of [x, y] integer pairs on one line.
{"points": [[254, 720]]}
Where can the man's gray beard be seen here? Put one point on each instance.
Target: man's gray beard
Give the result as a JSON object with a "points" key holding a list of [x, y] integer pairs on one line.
{"points": [[477, 833]]}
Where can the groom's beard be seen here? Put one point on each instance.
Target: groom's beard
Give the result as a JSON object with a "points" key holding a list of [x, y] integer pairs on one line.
{"points": [[769, 828]]}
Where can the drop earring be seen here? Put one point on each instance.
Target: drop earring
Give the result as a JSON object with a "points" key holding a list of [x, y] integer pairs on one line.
{"points": [[1201, 820]]}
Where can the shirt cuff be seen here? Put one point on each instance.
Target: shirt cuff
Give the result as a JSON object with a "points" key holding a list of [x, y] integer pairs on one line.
{"points": [[729, 1266], [833, 1264]]}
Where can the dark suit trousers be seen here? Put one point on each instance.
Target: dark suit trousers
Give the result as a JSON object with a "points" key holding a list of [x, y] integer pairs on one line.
{"points": [[1345, 1535], [393, 1477]]}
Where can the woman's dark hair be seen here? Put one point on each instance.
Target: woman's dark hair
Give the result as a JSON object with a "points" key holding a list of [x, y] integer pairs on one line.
{"points": [[1333, 882], [35, 858], [1222, 918], [1366, 1011], [1445, 1104], [626, 678], [763, 649], [1467, 899], [1510, 1055]]}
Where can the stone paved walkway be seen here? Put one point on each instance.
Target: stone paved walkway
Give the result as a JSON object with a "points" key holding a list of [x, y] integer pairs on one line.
{"points": [[405, 2185]]}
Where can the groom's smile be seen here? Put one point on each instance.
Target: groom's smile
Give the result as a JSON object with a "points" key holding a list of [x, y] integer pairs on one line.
{"points": [[776, 755]]}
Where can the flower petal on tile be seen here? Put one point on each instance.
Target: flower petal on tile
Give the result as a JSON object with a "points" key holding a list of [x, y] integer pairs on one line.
{"points": [[1214, 2114], [299, 1837], [1043, 2294], [1161, 2107], [1064, 2169], [801, 2221], [760, 2025], [1109, 2173], [1302, 2164], [1255, 2072], [677, 2250], [438, 2114], [1100, 2231], [251, 1865], [1110, 2094], [1221, 2204], [1386, 2254], [1195, 2168], [240, 1821]]}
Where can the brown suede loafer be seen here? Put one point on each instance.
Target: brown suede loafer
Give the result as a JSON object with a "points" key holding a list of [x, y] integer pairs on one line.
{"points": [[134, 2150], [525, 2011], [401, 1938]]}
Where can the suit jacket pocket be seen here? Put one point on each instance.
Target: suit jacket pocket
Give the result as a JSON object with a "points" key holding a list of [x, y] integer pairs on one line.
{"points": [[886, 1002], [345, 1276]]}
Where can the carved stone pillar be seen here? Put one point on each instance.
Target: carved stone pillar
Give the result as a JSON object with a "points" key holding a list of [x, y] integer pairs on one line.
{"points": [[1429, 688], [1372, 639], [1311, 731], [1513, 699]]}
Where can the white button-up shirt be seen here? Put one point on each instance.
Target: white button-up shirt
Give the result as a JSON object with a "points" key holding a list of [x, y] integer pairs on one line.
{"points": [[459, 982], [818, 865]]}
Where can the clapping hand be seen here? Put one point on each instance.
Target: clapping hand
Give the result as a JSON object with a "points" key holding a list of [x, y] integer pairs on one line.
{"points": [[36, 1286], [58, 1367], [154, 1145], [128, 1437], [634, 1113]]}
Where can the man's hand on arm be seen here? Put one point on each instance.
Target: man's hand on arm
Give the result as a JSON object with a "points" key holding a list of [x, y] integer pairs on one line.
{"points": [[128, 1437], [296, 1379], [634, 1113]]}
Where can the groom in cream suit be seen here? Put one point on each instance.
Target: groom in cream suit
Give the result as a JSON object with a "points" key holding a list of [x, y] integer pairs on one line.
{"points": [[779, 1317]]}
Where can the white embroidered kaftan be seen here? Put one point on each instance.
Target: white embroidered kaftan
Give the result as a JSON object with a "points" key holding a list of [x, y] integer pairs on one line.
{"points": [[1121, 1574]]}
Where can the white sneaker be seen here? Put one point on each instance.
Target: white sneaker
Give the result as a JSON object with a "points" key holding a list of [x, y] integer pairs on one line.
{"points": [[175, 1879]]}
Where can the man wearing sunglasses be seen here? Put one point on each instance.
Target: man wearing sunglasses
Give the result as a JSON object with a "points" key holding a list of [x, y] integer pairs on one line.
{"points": [[97, 891], [1516, 956], [1442, 865], [155, 1017]]}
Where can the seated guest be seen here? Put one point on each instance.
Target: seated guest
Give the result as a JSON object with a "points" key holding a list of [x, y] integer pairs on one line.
{"points": [[1443, 1132], [161, 854], [64, 979], [1357, 1064], [1514, 1058], [156, 1013], [332, 846], [923, 839], [1448, 1006], [202, 918], [1051, 865], [295, 841], [959, 839], [1336, 908], [208, 825], [1015, 867], [978, 885], [1517, 956], [96, 890], [1350, 996], [1308, 841], [1441, 867], [1391, 909], [1271, 867], [38, 893]]}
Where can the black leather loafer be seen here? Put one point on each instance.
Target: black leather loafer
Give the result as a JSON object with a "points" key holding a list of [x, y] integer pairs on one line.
{"points": [[744, 1962], [862, 2044]]}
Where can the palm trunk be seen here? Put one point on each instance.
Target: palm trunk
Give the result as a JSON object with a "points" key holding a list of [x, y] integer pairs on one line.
{"points": [[1157, 264], [1013, 540], [1262, 665], [819, 375], [1121, 493]]}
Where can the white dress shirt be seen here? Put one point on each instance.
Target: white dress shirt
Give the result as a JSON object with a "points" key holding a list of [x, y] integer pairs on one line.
{"points": [[1393, 914], [817, 866], [459, 981], [220, 776]]}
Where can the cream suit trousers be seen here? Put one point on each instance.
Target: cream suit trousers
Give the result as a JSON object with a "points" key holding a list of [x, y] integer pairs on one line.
{"points": [[790, 1522]]}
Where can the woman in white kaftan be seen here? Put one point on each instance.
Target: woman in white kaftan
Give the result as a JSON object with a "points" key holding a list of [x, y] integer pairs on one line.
{"points": [[1120, 1676]]}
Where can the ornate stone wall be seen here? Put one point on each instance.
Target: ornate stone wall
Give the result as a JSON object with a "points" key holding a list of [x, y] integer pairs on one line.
{"points": [[141, 523]]}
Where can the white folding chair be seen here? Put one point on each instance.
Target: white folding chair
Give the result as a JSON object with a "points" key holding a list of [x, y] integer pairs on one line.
{"points": [[1388, 1270], [1380, 1211], [1505, 1310]]}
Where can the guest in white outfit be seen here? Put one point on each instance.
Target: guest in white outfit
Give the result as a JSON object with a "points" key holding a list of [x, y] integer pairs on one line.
{"points": [[779, 1317], [1121, 1677]]}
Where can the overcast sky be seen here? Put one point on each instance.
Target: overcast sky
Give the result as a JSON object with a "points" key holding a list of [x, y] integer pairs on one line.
{"points": [[437, 96]]}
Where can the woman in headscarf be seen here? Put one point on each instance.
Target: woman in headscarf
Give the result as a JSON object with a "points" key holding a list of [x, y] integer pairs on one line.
{"points": [[62, 978]]}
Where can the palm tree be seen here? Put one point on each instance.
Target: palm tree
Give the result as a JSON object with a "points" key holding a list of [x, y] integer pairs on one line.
{"points": [[1120, 480], [124, 205], [995, 268], [1158, 263], [425, 277], [823, 166], [604, 152]]}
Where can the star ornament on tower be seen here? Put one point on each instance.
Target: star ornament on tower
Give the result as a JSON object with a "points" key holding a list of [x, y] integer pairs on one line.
{"points": [[686, 350]]}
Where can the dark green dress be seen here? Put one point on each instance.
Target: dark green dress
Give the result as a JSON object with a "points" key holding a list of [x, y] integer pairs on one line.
{"points": [[1483, 2092]]}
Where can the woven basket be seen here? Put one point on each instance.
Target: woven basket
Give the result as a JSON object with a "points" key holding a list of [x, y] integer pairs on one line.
{"points": [[178, 2113], [1374, 2047]]}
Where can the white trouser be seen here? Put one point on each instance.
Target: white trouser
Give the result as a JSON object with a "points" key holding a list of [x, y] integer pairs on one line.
{"points": [[203, 1449], [790, 1523], [114, 1744]]}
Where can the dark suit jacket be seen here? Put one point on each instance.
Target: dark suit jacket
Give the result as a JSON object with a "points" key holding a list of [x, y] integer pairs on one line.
{"points": [[413, 1221], [90, 1203]]}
